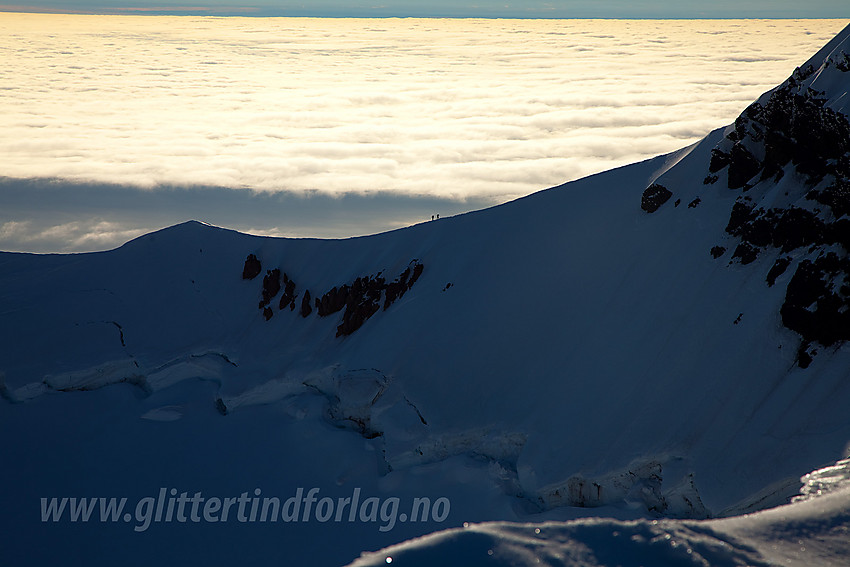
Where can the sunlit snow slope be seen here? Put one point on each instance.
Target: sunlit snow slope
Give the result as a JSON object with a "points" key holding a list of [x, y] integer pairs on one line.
{"points": [[815, 530], [634, 340]]}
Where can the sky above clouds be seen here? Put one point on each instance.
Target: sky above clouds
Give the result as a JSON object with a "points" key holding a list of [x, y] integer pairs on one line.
{"points": [[339, 127], [458, 8]]}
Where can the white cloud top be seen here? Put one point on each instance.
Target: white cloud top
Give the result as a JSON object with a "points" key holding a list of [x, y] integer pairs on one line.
{"points": [[445, 108], [380, 122]]}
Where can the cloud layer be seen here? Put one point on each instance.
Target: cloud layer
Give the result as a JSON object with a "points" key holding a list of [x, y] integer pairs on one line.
{"points": [[441, 109], [59, 216]]}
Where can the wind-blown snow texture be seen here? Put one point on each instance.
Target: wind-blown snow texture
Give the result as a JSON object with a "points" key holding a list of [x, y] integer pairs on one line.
{"points": [[595, 345], [813, 531]]}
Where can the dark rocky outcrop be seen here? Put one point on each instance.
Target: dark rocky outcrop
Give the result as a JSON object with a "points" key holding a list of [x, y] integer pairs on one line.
{"points": [[355, 316], [362, 299], [812, 306], [332, 301], [837, 194], [271, 286], [717, 251], [742, 213], [306, 309], [397, 288], [804, 359], [745, 252], [786, 229], [794, 131], [417, 271], [777, 270], [842, 62], [693, 204], [252, 267], [653, 197], [719, 160], [358, 301], [362, 302], [817, 300], [743, 166], [793, 126], [289, 295]]}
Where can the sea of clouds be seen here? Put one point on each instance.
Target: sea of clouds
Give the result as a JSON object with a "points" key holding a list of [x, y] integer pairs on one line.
{"points": [[111, 126]]}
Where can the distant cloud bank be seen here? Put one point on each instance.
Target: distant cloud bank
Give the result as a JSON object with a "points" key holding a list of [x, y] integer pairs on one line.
{"points": [[458, 112]]}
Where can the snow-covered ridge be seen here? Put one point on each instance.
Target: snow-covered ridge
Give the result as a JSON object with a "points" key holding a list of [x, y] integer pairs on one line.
{"points": [[825, 481], [812, 531]]}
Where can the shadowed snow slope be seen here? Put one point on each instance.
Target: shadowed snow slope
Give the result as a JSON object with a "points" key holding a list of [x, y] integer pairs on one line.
{"points": [[568, 349]]}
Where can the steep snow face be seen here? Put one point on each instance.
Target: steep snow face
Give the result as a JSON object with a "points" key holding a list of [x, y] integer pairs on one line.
{"points": [[578, 348], [788, 158]]}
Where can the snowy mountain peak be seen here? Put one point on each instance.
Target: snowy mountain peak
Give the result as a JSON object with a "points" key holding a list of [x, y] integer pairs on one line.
{"points": [[187, 230], [787, 157]]}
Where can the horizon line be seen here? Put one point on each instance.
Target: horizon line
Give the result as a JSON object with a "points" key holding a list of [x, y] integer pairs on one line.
{"points": [[247, 13], [264, 12]]}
